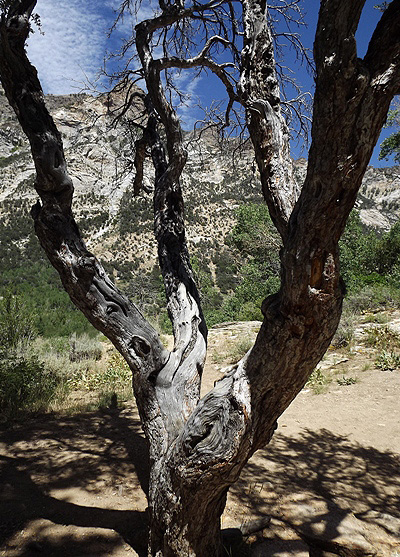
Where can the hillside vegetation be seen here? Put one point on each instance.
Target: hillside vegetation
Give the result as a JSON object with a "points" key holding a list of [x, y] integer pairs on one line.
{"points": [[234, 246]]}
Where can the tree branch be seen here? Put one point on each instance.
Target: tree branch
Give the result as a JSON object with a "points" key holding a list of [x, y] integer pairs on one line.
{"points": [[178, 383], [200, 61], [259, 93], [382, 57], [82, 275]]}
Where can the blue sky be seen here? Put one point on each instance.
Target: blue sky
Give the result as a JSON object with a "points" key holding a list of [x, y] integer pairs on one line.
{"points": [[71, 51]]}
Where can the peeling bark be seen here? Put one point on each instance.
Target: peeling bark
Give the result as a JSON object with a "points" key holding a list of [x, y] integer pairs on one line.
{"points": [[198, 447], [260, 95]]}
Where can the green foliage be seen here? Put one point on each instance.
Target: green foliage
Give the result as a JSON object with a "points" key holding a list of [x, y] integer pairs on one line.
{"points": [[388, 361], [233, 350], [116, 377], [358, 254], [41, 374], [248, 271], [346, 381], [26, 385], [382, 337], [374, 297], [240, 348], [388, 254], [255, 236], [345, 331], [391, 145], [318, 382], [26, 272], [84, 348], [210, 295], [370, 266], [38, 286], [226, 270], [135, 214], [16, 323]]}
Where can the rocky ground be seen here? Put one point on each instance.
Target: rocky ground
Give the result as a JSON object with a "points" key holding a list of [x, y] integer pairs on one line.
{"points": [[328, 484]]}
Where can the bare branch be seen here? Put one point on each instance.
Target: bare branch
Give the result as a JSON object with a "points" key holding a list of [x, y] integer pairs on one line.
{"points": [[259, 92], [382, 57]]}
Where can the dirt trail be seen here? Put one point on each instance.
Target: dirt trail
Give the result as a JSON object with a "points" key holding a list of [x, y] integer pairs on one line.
{"points": [[74, 485]]}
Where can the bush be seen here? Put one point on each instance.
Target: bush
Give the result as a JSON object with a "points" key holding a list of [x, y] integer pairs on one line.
{"points": [[373, 298], [318, 382], [382, 337], [345, 331], [114, 379], [16, 323], [358, 254], [27, 385], [25, 382], [388, 361]]}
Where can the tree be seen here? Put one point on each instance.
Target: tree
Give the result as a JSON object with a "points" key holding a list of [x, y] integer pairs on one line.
{"points": [[198, 447], [391, 145]]}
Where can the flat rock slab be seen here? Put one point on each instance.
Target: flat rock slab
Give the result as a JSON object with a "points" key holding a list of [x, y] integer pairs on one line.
{"points": [[329, 529]]}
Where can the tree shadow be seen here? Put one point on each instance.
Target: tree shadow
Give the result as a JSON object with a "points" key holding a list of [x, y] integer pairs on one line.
{"points": [[42, 460], [328, 475], [93, 453]]}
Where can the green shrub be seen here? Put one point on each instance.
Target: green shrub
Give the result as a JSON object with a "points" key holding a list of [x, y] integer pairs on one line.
{"points": [[388, 361], [115, 377], [27, 385], [318, 382], [358, 249], [382, 337], [345, 331], [240, 348], [371, 298], [16, 322], [346, 381], [232, 350]]}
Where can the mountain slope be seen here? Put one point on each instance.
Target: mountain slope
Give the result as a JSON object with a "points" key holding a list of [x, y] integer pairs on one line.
{"points": [[118, 226]]}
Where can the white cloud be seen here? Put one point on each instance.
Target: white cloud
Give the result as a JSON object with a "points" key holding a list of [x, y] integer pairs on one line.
{"points": [[72, 47], [74, 43]]}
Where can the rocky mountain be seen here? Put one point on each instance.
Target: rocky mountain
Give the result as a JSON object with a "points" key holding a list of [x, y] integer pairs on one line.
{"points": [[100, 159], [118, 226]]}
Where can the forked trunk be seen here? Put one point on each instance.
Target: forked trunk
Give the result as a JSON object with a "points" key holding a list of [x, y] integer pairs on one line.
{"points": [[199, 447], [189, 484]]}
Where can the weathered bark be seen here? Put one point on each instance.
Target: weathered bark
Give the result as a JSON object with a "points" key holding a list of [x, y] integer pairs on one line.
{"points": [[178, 383], [198, 447], [260, 95]]}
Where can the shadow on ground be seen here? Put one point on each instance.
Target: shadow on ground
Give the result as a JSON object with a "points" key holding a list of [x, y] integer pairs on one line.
{"points": [[94, 454], [319, 479], [100, 453]]}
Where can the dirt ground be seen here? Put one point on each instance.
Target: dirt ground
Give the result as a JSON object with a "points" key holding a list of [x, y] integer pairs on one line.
{"points": [[75, 485]]}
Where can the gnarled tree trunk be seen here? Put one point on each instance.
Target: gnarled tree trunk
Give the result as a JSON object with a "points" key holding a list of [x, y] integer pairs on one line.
{"points": [[198, 447]]}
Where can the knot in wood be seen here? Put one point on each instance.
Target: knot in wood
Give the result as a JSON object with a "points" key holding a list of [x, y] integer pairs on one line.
{"points": [[87, 263], [140, 346]]}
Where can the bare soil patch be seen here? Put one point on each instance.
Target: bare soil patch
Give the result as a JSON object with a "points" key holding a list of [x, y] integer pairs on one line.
{"points": [[75, 485]]}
